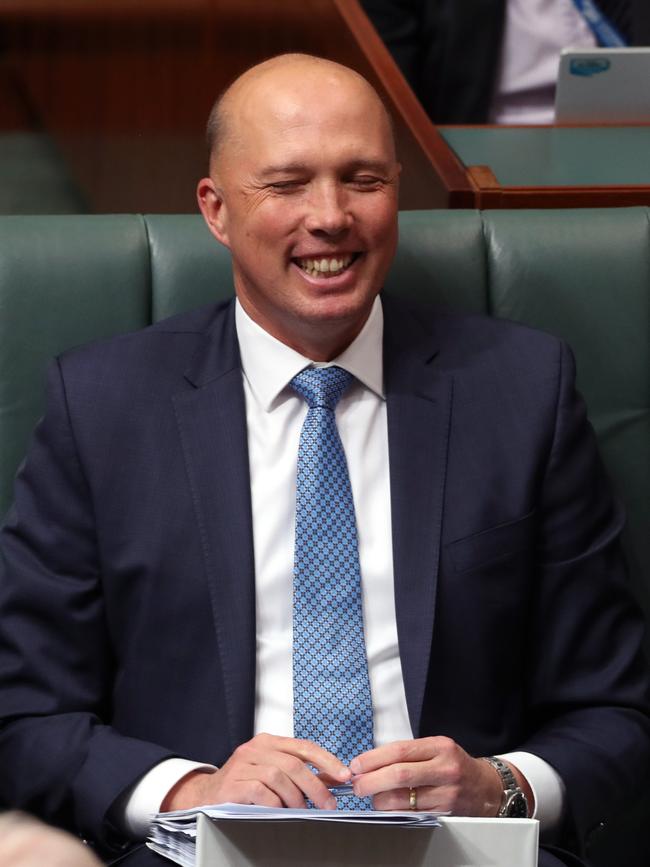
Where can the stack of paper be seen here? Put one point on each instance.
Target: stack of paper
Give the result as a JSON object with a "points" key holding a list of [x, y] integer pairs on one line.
{"points": [[173, 835]]}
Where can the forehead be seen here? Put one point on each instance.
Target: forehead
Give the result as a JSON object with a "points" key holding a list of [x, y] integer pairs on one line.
{"points": [[322, 113]]}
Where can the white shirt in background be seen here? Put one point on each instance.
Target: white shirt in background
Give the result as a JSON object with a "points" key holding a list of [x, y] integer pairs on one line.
{"points": [[535, 32]]}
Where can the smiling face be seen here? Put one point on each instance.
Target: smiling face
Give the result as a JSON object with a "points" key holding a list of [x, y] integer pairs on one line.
{"points": [[303, 191]]}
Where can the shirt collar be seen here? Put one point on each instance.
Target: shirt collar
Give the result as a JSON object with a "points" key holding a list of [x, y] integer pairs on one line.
{"points": [[269, 365]]}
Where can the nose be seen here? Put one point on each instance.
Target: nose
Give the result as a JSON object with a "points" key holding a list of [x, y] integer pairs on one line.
{"points": [[328, 213]]}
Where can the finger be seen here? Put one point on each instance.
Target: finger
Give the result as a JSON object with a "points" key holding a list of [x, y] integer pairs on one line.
{"points": [[253, 791], [436, 772], [275, 780], [418, 750], [234, 783], [308, 752], [401, 776], [293, 781], [436, 799], [395, 799], [318, 793], [331, 781]]}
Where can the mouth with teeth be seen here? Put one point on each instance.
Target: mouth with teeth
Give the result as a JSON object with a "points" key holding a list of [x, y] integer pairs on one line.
{"points": [[326, 266]]}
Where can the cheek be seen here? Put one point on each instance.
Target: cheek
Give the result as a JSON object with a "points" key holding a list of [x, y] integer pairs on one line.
{"points": [[380, 220], [384, 240], [261, 242], [275, 219]]}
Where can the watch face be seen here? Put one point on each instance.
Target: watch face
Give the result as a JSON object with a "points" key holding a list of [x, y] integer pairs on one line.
{"points": [[517, 808]]}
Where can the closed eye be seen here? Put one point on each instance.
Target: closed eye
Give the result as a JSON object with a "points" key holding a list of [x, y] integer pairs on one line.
{"points": [[286, 186], [366, 182]]}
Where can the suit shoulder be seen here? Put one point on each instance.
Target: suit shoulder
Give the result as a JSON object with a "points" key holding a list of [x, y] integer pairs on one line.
{"points": [[174, 337], [457, 333], [501, 332]]}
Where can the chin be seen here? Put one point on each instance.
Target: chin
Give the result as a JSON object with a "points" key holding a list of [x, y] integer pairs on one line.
{"points": [[338, 306]]}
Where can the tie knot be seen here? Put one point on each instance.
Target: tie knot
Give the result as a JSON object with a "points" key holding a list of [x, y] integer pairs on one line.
{"points": [[321, 386]]}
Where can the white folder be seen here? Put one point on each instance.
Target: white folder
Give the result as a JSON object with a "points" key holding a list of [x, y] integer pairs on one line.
{"points": [[458, 842]]}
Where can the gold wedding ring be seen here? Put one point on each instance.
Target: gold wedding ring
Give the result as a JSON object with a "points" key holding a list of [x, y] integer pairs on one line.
{"points": [[413, 799]]}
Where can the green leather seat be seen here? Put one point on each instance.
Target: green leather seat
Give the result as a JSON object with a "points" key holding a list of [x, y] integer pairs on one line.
{"points": [[583, 275]]}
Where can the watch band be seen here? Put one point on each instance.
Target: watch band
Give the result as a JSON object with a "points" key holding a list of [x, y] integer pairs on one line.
{"points": [[513, 801]]}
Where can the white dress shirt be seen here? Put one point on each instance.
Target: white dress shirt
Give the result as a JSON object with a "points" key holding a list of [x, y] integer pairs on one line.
{"points": [[274, 415], [535, 33]]}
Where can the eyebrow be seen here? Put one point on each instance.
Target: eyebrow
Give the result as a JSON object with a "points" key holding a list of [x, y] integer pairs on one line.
{"points": [[298, 168]]}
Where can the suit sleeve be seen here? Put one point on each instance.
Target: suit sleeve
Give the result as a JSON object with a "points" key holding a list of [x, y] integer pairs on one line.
{"points": [[59, 757], [588, 683]]}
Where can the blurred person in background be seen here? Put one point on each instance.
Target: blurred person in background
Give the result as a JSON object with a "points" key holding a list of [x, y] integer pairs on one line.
{"points": [[496, 61]]}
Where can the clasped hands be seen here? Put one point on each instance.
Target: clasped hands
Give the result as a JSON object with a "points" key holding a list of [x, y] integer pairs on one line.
{"points": [[274, 771]]}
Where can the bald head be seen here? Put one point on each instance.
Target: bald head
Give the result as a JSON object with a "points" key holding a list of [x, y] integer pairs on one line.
{"points": [[291, 75]]}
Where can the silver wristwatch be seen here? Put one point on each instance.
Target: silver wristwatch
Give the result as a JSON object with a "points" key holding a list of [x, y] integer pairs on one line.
{"points": [[513, 801]]}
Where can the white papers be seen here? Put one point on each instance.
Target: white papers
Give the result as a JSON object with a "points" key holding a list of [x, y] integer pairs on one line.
{"points": [[173, 835]]}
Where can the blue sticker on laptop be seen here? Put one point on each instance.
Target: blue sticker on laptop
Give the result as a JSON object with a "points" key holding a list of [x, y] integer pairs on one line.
{"points": [[588, 66]]}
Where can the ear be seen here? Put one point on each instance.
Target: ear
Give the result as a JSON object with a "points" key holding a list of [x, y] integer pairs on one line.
{"points": [[214, 210]]}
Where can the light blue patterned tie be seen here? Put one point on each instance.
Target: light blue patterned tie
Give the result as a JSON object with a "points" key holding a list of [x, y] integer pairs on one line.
{"points": [[331, 690]]}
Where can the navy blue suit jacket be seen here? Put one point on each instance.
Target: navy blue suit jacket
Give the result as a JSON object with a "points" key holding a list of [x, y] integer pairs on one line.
{"points": [[127, 616]]}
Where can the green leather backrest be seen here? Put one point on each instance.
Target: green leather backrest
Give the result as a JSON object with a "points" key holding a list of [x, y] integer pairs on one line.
{"points": [[583, 275]]}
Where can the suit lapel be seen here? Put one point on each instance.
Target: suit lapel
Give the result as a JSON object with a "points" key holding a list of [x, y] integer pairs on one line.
{"points": [[212, 424], [419, 400]]}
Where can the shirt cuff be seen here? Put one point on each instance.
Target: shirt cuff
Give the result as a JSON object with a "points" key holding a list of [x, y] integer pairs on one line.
{"points": [[143, 800], [547, 785]]}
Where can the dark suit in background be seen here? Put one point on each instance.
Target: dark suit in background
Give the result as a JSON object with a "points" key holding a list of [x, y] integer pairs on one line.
{"points": [[449, 50], [127, 579]]}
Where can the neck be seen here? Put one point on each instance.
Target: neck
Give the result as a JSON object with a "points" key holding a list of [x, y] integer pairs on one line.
{"points": [[322, 340]]}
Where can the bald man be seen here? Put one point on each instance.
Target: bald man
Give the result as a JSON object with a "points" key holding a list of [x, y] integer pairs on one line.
{"points": [[151, 550]]}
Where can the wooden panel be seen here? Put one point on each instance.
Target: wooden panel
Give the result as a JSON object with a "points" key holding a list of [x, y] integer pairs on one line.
{"points": [[568, 166], [494, 196], [125, 88]]}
